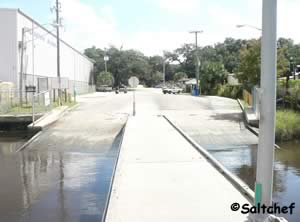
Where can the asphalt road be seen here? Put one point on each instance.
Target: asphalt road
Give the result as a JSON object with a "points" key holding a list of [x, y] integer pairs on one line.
{"points": [[65, 174]]}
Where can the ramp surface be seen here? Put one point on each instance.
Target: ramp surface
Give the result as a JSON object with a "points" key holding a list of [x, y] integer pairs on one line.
{"points": [[160, 177]]}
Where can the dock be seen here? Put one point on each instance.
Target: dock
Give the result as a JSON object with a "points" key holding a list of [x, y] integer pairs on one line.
{"points": [[161, 177]]}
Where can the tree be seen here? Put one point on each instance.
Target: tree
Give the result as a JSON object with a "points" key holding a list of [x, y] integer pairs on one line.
{"points": [[249, 69], [229, 51], [105, 78], [211, 75], [179, 75]]}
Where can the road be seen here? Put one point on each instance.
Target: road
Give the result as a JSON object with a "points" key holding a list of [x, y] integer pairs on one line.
{"points": [[53, 182]]}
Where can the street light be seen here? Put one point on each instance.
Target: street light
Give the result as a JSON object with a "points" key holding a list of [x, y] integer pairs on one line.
{"points": [[106, 58], [250, 26], [265, 154], [197, 60]]}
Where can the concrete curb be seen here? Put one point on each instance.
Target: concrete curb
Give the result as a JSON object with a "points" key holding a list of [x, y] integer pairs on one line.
{"points": [[34, 138], [239, 184], [250, 128], [40, 129], [59, 115], [122, 131]]}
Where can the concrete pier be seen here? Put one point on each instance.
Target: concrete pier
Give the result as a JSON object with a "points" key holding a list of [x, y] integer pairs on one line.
{"points": [[160, 177]]}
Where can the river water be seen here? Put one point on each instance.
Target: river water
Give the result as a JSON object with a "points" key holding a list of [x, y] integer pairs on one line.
{"points": [[54, 186], [241, 160]]}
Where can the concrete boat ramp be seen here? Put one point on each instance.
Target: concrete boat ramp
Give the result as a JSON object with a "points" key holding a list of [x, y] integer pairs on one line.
{"points": [[161, 177]]}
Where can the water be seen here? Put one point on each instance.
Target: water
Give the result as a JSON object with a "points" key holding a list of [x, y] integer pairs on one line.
{"points": [[241, 160], [54, 186]]}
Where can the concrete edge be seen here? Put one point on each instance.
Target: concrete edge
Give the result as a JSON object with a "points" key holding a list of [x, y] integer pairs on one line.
{"points": [[60, 115], [35, 137], [250, 128], [234, 180], [40, 129], [107, 202]]}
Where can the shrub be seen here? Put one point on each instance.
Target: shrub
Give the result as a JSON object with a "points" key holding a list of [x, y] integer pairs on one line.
{"points": [[230, 91], [287, 125]]}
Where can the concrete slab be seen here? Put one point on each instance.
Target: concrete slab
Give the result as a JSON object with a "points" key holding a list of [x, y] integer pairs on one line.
{"points": [[161, 177]]}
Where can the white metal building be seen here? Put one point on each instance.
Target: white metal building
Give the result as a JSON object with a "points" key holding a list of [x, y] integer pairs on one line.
{"points": [[40, 60]]}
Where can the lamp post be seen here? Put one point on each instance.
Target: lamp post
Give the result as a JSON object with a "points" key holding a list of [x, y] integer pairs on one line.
{"points": [[265, 155], [292, 71], [106, 58], [250, 26], [164, 70], [197, 60]]}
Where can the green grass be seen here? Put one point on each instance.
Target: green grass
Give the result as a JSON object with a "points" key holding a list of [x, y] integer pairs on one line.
{"points": [[27, 109], [287, 125], [69, 104]]}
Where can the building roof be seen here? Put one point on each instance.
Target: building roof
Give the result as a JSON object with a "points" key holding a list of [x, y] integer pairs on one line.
{"points": [[191, 82], [50, 33]]}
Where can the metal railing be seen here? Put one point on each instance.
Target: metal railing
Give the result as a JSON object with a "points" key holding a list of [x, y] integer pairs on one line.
{"points": [[32, 102]]}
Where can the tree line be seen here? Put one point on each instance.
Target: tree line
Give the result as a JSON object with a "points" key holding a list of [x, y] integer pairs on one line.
{"points": [[238, 56]]}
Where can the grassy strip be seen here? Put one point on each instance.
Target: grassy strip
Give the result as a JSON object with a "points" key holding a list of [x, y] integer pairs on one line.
{"points": [[27, 109], [287, 125]]}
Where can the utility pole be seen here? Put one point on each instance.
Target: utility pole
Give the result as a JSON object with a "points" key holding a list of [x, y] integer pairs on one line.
{"points": [[58, 49], [265, 154], [106, 58], [22, 67], [164, 70], [197, 61]]}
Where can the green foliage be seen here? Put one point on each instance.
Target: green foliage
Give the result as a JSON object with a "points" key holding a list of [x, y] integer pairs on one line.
{"points": [[154, 78], [211, 75], [283, 64], [249, 69], [229, 51], [233, 55], [105, 78], [287, 125], [179, 75], [230, 91]]}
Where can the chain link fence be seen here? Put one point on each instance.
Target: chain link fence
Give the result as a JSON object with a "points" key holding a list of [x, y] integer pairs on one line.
{"points": [[11, 104]]}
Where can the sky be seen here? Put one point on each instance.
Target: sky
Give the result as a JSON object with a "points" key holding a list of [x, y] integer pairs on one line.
{"points": [[152, 26]]}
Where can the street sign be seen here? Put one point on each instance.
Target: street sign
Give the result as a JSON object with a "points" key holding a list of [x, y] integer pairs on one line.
{"points": [[30, 89], [133, 81], [47, 99]]}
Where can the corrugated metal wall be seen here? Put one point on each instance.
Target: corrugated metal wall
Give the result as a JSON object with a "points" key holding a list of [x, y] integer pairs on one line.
{"points": [[8, 46], [40, 54]]}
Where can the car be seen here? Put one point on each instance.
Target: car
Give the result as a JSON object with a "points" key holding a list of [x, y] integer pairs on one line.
{"points": [[121, 89], [172, 90], [104, 88]]}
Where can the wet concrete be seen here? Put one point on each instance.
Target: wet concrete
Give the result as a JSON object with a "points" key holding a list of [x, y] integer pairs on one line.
{"points": [[65, 174], [55, 186]]}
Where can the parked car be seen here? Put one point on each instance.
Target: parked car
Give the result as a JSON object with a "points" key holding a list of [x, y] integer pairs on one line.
{"points": [[173, 90], [121, 89], [104, 88]]}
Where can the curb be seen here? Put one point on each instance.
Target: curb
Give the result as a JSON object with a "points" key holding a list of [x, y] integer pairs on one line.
{"points": [[63, 112], [122, 132], [234, 180], [250, 128], [34, 138], [40, 129]]}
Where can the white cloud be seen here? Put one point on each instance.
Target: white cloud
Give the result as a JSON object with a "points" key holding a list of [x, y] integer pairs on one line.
{"points": [[179, 6], [288, 21], [151, 43], [86, 27]]}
